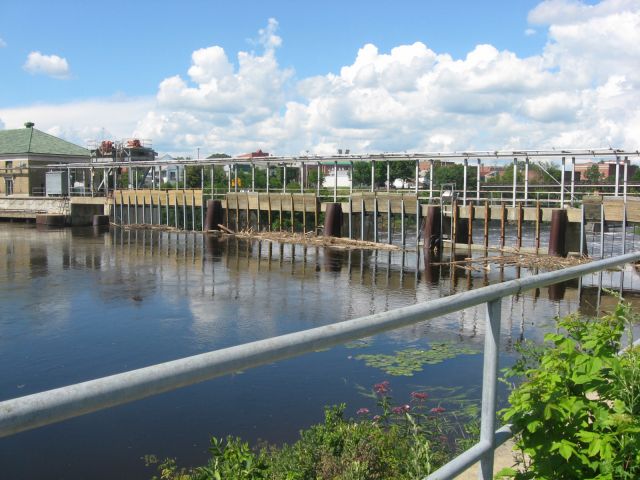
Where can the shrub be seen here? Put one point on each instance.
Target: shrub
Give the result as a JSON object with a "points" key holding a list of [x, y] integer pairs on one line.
{"points": [[402, 442], [578, 408]]}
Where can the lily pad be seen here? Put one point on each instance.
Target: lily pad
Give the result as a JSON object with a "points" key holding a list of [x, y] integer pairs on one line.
{"points": [[411, 360]]}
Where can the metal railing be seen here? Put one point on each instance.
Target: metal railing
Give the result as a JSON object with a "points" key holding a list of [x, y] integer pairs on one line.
{"points": [[36, 410]]}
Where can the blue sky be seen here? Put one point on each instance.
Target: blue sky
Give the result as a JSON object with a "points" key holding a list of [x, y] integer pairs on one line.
{"points": [[114, 58], [127, 47]]}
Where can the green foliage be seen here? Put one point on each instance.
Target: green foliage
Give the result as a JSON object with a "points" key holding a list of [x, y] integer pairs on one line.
{"points": [[400, 442], [592, 174], [579, 406], [453, 173], [362, 172], [411, 360], [506, 176], [312, 178], [194, 176]]}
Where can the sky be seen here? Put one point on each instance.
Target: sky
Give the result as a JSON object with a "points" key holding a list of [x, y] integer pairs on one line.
{"points": [[292, 77]]}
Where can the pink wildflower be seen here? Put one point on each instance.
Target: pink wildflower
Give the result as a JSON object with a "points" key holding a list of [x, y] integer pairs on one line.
{"points": [[401, 409], [382, 387], [420, 396], [438, 410], [377, 418], [362, 411]]}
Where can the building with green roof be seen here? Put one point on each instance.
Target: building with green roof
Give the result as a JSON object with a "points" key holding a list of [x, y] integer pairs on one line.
{"points": [[24, 154]]}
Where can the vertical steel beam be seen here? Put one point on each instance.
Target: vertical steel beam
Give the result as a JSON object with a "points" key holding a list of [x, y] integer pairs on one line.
{"points": [[562, 182], [465, 166], [388, 176], [431, 179], [489, 386], [373, 175], [335, 181], [573, 179], [235, 177], [617, 186], [526, 180], [602, 230], [268, 175], [253, 177], [515, 182], [478, 181], [284, 178], [350, 177], [625, 179], [582, 229]]}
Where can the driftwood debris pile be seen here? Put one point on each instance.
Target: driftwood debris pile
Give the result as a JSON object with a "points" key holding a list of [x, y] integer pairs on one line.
{"points": [[524, 260], [311, 239]]}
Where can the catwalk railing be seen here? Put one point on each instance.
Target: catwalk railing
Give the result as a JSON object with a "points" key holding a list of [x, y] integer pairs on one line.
{"points": [[32, 411]]}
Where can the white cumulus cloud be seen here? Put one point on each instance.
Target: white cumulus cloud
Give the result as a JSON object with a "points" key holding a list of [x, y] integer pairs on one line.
{"points": [[578, 91], [51, 65]]}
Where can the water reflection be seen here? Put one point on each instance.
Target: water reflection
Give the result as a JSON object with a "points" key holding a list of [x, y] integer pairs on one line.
{"points": [[77, 304]]}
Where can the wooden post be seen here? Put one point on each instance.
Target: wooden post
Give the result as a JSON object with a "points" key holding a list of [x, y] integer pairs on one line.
{"points": [[520, 215], [304, 214], [237, 229], [486, 224], [293, 218], [471, 215], [362, 216], [454, 226], [258, 214], [248, 213], [269, 211]]}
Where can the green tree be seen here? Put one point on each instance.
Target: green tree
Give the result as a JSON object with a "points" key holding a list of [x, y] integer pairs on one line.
{"points": [[312, 177], [362, 172], [452, 173], [593, 174], [547, 172], [194, 176]]}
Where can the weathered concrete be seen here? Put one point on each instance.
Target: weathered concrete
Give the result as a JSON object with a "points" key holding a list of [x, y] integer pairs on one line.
{"points": [[78, 210]]}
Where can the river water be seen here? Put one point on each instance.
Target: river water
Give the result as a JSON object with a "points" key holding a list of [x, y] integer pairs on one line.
{"points": [[77, 304]]}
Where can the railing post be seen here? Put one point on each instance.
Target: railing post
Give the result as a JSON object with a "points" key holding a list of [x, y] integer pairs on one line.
{"points": [[489, 386]]}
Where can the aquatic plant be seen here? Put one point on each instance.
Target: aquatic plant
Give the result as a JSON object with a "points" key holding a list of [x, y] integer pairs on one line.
{"points": [[411, 360]]}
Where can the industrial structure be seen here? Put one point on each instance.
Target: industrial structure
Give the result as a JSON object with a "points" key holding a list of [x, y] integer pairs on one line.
{"points": [[24, 155]]}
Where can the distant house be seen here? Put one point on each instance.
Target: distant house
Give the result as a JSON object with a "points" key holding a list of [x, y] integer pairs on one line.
{"points": [[257, 154], [606, 169], [24, 153], [341, 169], [170, 173]]}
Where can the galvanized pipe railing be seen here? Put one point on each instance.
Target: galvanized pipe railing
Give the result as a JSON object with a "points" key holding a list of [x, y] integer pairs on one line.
{"points": [[32, 411]]}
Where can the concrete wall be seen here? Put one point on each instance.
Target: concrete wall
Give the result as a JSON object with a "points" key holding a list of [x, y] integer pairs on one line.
{"points": [[79, 210]]}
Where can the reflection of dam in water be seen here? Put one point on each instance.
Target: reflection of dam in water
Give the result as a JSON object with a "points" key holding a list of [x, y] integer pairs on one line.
{"points": [[86, 303], [380, 272]]}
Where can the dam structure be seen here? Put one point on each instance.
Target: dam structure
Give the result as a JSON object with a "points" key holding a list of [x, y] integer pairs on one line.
{"points": [[500, 199]]}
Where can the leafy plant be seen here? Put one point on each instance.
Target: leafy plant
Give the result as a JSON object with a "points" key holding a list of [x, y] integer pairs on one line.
{"points": [[578, 408], [399, 441], [411, 360]]}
